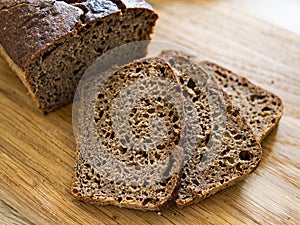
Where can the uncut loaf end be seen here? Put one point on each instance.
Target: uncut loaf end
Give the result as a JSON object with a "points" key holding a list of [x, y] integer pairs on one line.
{"points": [[49, 44]]}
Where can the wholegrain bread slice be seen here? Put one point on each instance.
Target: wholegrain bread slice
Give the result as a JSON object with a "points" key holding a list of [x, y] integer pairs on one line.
{"points": [[261, 108], [117, 162], [227, 149]]}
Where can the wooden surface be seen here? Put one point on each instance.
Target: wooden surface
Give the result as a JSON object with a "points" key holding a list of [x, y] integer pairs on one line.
{"points": [[284, 14], [37, 153]]}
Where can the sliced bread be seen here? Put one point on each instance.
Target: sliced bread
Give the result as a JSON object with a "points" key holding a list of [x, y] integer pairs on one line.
{"points": [[125, 156], [227, 149], [261, 108]]}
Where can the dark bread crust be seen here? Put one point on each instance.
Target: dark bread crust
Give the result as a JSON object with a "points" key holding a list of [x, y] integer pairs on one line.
{"points": [[33, 30], [37, 24], [127, 4], [28, 29], [5, 4]]}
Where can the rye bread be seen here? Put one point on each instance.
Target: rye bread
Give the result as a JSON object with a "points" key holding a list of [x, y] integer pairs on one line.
{"points": [[115, 169], [50, 44], [227, 149], [261, 108]]}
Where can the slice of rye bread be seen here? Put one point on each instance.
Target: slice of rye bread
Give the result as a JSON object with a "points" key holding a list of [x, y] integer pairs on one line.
{"points": [[261, 108], [227, 149], [114, 169], [49, 44]]}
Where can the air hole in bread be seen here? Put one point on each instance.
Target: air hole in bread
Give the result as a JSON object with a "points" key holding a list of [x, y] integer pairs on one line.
{"points": [[181, 80], [266, 108], [191, 84], [195, 99], [245, 155], [221, 74], [230, 160], [162, 70], [238, 137]]}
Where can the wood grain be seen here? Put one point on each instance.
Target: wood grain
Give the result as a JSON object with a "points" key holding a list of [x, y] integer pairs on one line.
{"points": [[37, 152]]}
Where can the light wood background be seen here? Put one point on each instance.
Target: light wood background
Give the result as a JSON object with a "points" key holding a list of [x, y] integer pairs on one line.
{"points": [[284, 14], [37, 153]]}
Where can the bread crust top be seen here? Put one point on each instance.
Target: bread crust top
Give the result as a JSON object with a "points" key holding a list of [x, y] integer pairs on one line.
{"points": [[30, 27]]}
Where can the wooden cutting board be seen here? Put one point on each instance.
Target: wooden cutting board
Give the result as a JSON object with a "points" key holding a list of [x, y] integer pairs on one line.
{"points": [[37, 152]]}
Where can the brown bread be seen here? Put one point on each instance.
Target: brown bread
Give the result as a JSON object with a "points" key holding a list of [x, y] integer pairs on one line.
{"points": [[112, 167], [227, 149], [50, 44], [261, 108]]}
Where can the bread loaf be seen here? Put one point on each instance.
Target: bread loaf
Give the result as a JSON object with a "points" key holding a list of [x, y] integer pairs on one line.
{"points": [[125, 156], [227, 149], [50, 44]]}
